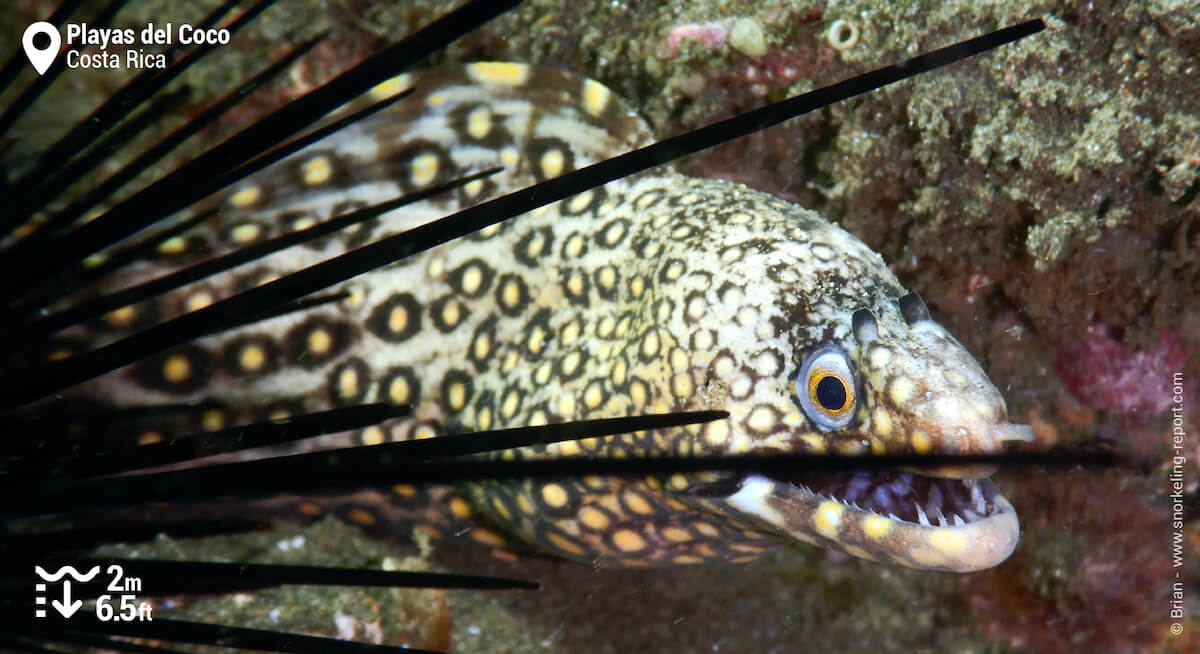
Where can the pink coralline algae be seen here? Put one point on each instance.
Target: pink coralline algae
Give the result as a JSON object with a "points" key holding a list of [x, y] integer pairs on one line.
{"points": [[1105, 374], [709, 35]]}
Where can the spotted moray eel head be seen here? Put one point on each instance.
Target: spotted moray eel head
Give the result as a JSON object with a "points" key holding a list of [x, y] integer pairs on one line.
{"points": [[866, 371]]}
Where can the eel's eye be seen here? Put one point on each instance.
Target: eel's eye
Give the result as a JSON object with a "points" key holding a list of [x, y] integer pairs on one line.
{"points": [[825, 388]]}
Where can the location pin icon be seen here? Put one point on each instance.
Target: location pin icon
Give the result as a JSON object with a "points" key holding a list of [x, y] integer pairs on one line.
{"points": [[41, 57]]}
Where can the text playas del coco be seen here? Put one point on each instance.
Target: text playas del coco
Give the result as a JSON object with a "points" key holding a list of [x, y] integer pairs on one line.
{"points": [[152, 34]]}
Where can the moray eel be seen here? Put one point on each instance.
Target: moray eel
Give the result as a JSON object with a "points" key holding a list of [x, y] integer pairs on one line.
{"points": [[652, 294]]}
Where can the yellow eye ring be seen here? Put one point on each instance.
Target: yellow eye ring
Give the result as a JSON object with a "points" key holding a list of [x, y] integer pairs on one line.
{"points": [[826, 388], [831, 392]]}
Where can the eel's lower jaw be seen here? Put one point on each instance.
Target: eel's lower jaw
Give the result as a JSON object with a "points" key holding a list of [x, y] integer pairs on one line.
{"points": [[934, 523]]}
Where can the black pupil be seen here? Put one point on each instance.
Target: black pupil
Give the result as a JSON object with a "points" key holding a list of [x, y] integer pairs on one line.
{"points": [[831, 393]]}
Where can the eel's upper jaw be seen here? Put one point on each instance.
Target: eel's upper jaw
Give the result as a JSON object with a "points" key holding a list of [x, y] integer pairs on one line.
{"points": [[957, 525]]}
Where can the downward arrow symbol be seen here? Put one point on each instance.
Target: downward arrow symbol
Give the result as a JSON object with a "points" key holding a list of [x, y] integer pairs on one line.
{"points": [[66, 607]]}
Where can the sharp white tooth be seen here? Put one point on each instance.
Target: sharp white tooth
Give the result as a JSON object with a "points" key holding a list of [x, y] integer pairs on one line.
{"points": [[970, 515], [958, 521], [977, 498], [941, 518], [922, 517], [895, 517]]}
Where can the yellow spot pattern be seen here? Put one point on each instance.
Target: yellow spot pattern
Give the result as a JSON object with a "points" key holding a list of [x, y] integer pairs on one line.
{"points": [[389, 87], [595, 97], [479, 122], [177, 369], [499, 72], [424, 169], [828, 519], [245, 197], [876, 527], [317, 170]]}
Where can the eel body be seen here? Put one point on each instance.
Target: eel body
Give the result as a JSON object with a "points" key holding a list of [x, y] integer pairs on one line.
{"points": [[651, 294]]}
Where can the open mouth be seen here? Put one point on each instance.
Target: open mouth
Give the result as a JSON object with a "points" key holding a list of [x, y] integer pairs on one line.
{"points": [[936, 523], [907, 497]]}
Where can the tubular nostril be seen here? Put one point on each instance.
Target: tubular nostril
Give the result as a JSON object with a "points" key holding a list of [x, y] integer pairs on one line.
{"points": [[913, 308], [866, 329], [1012, 432]]}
